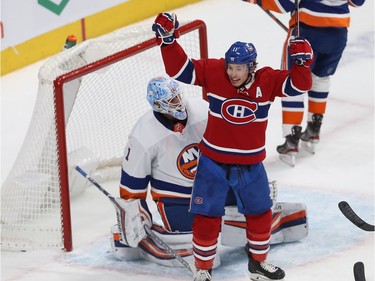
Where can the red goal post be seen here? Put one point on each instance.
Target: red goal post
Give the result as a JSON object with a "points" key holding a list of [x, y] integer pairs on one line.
{"points": [[89, 98]]}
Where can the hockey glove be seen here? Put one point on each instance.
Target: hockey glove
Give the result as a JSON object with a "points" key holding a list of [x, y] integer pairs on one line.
{"points": [[130, 222], [300, 50], [166, 28]]}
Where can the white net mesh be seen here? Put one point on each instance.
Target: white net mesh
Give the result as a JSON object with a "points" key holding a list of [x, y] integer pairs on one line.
{"points": [[100, 109]]}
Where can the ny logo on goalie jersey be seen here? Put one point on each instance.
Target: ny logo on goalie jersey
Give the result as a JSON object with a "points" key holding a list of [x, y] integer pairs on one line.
{"points": [[187, 161]]}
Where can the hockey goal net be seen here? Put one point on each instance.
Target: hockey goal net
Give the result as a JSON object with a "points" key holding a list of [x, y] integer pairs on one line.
{"points": [[89, 98]]}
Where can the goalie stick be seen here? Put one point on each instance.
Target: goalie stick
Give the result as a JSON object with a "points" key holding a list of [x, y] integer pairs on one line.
{"points": [[148, 230], [348, 212], [359, 271]]}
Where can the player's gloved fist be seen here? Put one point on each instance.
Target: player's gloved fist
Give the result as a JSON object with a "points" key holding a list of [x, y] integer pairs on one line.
{"points": [[300, 50], [166, 28]]}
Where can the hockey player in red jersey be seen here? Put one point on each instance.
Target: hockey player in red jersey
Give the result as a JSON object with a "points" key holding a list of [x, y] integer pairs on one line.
{"points": [[233, 144], [325, 24], [161, 158]]}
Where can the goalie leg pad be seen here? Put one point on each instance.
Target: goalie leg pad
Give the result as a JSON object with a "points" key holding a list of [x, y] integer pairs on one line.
{"points": [[289, 224], [178, 241], [151, 251], [121, 251], [233, 228], [148, 250], [175, 239], [291, 220]]}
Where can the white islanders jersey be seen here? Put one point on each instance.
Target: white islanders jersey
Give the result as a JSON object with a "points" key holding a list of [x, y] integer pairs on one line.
{"points": [[165, 159]]}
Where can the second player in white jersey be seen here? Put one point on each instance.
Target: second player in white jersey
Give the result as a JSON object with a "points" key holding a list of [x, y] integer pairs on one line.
{"points": [[163, 153]]}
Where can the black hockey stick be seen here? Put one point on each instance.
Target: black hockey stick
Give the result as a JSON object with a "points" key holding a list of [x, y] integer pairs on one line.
{"points": [[272, 16], [296, 11], [348, 212], [151, 235], [359, 271]]}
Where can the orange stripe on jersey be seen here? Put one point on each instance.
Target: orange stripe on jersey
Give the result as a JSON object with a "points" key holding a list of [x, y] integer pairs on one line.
{"points": [[317, 107], [285, 54], [163, 216], [321, 21], [292, 117], [156, 195], [128, 195], [270, 5]]}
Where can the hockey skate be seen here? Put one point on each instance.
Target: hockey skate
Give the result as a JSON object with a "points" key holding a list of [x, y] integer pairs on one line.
{"points": [[288, 150], [202, 275], [311, 136], [263, 270]]}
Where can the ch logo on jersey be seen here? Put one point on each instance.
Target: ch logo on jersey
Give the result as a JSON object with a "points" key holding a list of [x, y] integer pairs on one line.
{"points": [[187, 161], [239, 111]]}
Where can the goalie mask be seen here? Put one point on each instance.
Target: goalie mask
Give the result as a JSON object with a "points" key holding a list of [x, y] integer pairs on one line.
{"points": [[164, 96]]}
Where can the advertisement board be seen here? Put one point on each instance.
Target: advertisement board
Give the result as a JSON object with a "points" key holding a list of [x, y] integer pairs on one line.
{"points": [[22, 20]]}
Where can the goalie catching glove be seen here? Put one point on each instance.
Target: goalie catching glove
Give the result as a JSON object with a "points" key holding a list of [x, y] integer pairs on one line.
{"points": [[300, 50], [131, 221], [166, 28]]}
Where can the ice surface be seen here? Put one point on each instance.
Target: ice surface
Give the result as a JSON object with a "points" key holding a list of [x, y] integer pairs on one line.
{"points": [[341, 169]]}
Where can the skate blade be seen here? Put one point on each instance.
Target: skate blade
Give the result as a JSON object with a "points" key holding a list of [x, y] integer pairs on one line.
{"points": [[289, 159], [309, 146], [260, 277]]}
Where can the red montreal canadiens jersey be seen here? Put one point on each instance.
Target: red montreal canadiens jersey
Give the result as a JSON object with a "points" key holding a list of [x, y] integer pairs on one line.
{"points": [[237, 120]]}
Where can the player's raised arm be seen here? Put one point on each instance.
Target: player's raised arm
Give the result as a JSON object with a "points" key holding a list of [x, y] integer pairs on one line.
{"points": [[176, 62]]}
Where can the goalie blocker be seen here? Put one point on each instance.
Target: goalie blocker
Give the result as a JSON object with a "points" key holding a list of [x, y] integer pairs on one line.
{"points": [[289, 224]]}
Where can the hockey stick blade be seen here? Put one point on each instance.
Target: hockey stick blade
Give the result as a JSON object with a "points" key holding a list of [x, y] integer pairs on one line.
{"points": [[359, 271], [348, 212]]}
